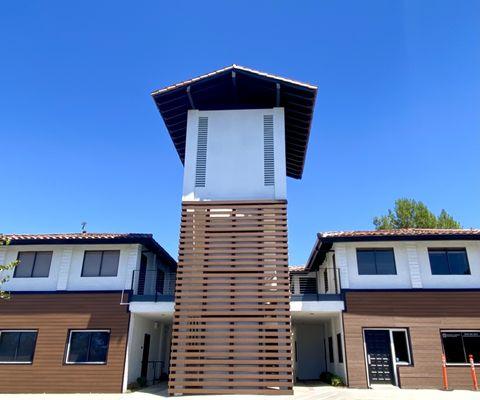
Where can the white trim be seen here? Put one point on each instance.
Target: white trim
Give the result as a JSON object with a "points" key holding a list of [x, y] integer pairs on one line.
{"points": [[457, 331], [20, 331], [67, 353], [392, 351]]}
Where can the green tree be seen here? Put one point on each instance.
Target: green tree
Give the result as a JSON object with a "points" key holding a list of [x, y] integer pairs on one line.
{"points": [[4, 271], [409, 213]]}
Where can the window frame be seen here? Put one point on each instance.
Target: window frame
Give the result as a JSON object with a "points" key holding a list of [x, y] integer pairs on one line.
{"points": [[69, 340], [446, 250], [33, 266], [101, 264], [375, 250], [461, 331], [16, 350]]}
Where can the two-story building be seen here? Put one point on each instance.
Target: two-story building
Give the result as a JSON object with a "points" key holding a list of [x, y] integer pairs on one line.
{"points": [[407, 296], [87, 312]]}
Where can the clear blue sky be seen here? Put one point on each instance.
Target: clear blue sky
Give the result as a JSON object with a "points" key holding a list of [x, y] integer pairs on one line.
{"points": [[397, 113]]}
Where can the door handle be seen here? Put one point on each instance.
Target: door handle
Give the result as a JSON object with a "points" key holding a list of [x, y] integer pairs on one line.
{"points": [[369, 360]]}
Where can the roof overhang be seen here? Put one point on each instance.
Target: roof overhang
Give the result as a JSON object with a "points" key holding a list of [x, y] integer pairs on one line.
{"points": [[237, 87]]}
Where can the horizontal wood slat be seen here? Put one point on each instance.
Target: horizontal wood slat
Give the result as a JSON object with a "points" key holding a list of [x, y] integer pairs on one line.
{"points": [[231, 332]]}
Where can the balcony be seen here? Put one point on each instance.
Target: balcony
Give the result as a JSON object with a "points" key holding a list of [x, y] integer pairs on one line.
{"points": [[153, 285], [322, 285]]}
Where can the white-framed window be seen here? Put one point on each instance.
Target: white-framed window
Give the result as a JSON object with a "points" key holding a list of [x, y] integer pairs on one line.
{"points": [[401, 346], [459, 344], [87, 346], [17, 346]]}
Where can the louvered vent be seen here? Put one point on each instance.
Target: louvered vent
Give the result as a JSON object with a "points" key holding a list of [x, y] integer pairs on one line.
{"points": [[268, 157], [201, 167]]}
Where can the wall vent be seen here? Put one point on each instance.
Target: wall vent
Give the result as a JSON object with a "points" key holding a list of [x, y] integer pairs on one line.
{"points": [[201, 166], [268, 151]]}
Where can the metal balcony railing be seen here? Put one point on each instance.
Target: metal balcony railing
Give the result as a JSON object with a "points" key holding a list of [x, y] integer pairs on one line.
{"points": [[153, 285], [315, 286]]}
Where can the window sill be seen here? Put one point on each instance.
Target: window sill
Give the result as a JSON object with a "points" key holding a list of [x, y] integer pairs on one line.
{"points": [[16, 362], [85, 363]]}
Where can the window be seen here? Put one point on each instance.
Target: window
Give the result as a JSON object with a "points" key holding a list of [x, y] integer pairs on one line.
{"points": [[339, 348], [330, 349], [449, 261], [401, 346], [88, 347], [101, 263], [325, 280], [457, 346], [376, 262], [17, 347], [308, 284], [33, 264]]}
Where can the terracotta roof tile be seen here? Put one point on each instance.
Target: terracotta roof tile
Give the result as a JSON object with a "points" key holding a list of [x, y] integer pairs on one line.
{"points": [[399, 233], [296, 268]]}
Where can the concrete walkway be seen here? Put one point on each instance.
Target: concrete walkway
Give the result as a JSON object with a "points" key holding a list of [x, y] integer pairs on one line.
{"points": [[301, 393]]}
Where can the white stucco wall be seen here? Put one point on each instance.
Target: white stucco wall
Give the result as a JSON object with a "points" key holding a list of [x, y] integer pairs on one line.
{"points": [[412, 263], [235, 156], [66, 268], [332, 328]]}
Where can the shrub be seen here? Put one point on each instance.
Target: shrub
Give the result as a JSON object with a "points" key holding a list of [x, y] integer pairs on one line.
{"points": [[331, 379]]}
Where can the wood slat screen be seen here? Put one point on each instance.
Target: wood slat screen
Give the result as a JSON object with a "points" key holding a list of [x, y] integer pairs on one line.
{"points": [[231, 329]]}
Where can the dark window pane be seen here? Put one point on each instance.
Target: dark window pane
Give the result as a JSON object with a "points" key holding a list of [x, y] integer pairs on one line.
{"points": [[458, 262], [160, 281], [8, 345], [98, 347], [330, 349], [385, 262], [453, 347], [339, 348], [91, 263], [438, 262], [41, 268], [26, 346], [308, 285], [401, 346], [110, 263], [366, 262], [325, 280], [471, 341], [25, 267], [79, 342]]}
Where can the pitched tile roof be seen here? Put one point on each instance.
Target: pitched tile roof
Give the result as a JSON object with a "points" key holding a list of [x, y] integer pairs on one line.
{"points": [[418, 233], [296, 268], [145, 239]]}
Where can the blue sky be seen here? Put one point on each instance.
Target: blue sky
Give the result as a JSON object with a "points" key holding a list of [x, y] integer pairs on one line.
{"points": [[397, 112]]}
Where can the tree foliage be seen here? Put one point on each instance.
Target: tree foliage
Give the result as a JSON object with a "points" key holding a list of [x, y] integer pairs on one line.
{"points": [[4, 271], [409, 213]]}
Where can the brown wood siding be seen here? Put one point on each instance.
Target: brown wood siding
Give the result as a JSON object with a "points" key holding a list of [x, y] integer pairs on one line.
{"points": [[424, 313], [53, 315], [231, 329]]}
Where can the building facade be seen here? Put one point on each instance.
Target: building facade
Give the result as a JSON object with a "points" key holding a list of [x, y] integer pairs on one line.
{"points": [[409, 297], [70, 324], [105, 312]]}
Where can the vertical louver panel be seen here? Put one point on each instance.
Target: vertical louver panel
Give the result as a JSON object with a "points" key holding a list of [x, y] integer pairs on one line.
{"points": [[201, 167], [268, 155], [231, 328]]}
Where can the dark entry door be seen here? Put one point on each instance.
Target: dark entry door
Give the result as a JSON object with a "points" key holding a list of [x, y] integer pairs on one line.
{"points": [[146, 350], [379, 356]]}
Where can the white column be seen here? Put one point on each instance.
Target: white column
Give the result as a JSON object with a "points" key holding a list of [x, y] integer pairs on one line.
{"points": [[64, 271], [414, 266]]}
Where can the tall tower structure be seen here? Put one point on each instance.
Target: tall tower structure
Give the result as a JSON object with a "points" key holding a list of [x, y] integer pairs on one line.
{"points": [[239, 133]]}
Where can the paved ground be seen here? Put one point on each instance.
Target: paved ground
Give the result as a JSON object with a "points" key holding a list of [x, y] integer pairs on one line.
{"points": [[301, 393]]}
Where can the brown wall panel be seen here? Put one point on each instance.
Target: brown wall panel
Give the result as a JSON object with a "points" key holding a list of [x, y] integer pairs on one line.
{"points": [[424, 313], [53, 315], [231, 329]]}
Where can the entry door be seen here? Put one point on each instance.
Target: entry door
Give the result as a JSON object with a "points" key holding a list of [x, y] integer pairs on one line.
{"points": [[379, 356], [146, 350]]}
